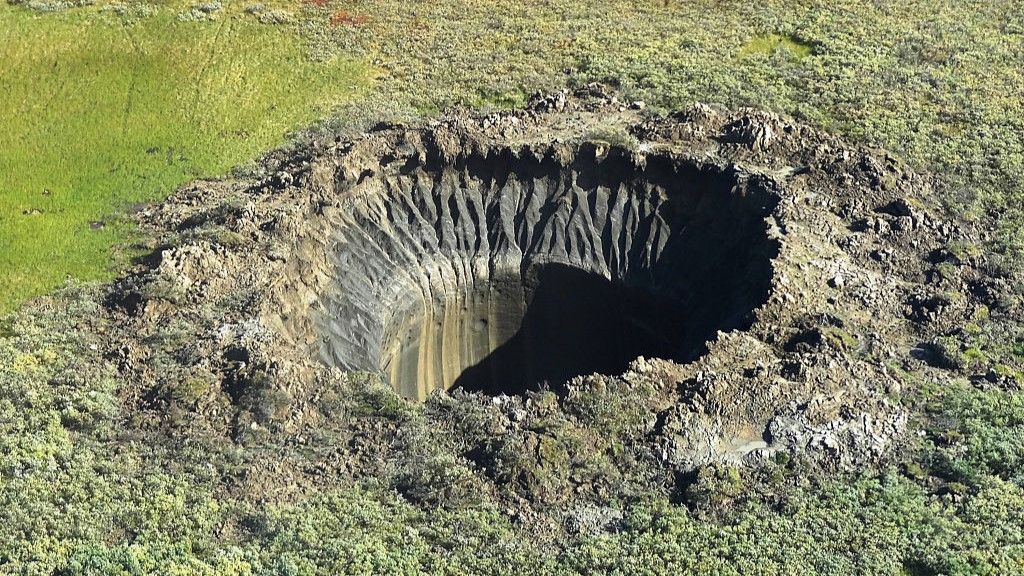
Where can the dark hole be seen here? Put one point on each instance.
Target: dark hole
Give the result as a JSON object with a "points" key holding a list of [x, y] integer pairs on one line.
{"points": [[578, 323], [506, 273]]}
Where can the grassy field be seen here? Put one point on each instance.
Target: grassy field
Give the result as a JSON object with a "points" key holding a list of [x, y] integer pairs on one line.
{"points": [[101, 111], [934, 81], [114, 107]]}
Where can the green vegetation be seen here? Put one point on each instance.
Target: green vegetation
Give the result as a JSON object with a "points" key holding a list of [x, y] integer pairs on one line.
{"points": [[769, 44], [103, 111], [935, 81], [80, 493], [205, 87]]}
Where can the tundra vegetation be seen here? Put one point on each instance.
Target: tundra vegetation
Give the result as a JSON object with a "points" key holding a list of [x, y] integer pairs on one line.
{"points": [[106, 105], [81, 492]]}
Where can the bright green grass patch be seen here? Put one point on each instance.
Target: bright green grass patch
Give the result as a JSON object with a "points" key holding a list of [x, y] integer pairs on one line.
{"points": [[100, 113], [772, 43]]}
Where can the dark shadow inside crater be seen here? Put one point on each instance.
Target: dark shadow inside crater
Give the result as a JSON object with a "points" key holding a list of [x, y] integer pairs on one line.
{"points": [[578, 323], [503, 273]]}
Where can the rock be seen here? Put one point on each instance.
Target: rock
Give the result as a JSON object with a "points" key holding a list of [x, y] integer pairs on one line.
{"points": [[758, 131]]}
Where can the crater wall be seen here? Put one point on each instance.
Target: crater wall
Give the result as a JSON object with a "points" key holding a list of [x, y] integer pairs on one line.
{"points": [[500, 272]]}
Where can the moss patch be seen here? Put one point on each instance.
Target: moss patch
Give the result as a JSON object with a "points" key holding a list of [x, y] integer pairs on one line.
{"points": [[769, 44], [103, 112]]}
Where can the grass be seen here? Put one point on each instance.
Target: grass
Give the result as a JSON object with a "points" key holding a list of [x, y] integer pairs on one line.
{"points": [[102, 112], [769, 44], [932, 80], [82, 493]]}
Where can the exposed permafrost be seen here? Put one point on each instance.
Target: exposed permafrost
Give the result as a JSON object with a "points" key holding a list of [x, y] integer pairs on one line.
{"points": [[502, 271], [499, 252]]}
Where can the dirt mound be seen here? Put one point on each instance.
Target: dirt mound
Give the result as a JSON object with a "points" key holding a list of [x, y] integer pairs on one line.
{"points": [[757, 280]]}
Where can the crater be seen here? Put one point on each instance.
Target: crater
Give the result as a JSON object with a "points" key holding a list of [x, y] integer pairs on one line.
{"points": [[510, 269]]}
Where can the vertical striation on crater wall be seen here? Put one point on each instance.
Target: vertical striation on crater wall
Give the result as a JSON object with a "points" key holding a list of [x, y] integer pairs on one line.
{"points": [[500, 273]]}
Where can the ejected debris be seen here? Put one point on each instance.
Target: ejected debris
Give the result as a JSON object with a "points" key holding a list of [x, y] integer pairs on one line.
{"points": [[757, 277]]}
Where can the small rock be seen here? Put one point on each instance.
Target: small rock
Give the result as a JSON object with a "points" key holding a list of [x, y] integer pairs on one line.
{"points": [[284, 178], [837, 281]]}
